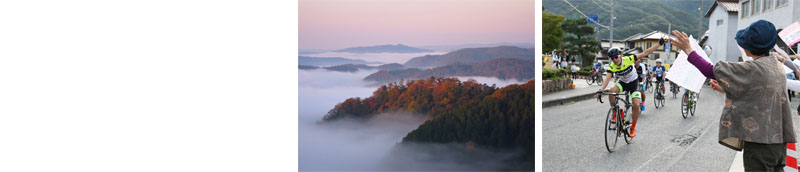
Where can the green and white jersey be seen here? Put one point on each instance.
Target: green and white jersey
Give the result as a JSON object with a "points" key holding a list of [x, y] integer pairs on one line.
{"points": [[626, 72]]}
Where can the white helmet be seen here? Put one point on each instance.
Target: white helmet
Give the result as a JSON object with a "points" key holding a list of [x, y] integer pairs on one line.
{"points": [[659, 61]]}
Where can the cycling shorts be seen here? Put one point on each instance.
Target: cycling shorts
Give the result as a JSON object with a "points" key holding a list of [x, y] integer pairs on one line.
{"points": [[631, 87]]}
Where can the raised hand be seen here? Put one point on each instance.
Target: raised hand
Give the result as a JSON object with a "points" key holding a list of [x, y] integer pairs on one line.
{"points": [[681, 41]]}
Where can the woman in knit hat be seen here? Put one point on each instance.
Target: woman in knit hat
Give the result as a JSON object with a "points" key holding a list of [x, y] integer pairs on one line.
{"points": [[756, 118]]}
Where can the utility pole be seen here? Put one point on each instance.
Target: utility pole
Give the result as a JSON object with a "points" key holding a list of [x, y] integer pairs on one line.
{"points": [[611, 37], [700, 25]]}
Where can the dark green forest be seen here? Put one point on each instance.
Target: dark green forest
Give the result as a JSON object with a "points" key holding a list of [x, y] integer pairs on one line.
{"points": [[501, 120]]}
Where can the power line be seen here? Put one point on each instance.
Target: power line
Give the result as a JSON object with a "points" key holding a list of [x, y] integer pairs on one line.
{"points": [[601, 7], [584, 15]]}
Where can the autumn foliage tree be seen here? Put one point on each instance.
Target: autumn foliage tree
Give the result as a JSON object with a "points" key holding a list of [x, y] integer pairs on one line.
{"points": [[425, 96]]}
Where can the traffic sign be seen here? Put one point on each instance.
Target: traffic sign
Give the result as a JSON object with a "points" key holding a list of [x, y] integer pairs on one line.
{"points": [[592, 18]]}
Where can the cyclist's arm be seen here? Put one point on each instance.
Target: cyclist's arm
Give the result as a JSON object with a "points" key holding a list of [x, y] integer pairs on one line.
{"points": [[648, 51]]}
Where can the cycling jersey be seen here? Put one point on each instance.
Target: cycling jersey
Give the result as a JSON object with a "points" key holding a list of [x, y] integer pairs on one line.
{"points": [[641, 70], [659, 71], [626, 72]]}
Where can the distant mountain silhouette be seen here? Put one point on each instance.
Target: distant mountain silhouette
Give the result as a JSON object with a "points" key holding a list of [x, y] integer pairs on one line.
{"points": [[471, 55], [304, 67], [506, 68], [449, 48], [399, 48], [329, 61], [355, 67]]}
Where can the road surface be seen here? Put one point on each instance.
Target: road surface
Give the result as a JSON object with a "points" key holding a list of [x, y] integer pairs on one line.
{"points": [[573, 138]]}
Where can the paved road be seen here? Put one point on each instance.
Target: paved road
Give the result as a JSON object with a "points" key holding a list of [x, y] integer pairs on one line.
{"points": [[574, 141]]}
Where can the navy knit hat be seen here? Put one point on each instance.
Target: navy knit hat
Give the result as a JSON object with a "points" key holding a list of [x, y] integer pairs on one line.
{"points": [[759, 37]]}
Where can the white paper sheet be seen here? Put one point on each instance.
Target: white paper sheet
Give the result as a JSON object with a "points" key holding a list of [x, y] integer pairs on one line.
{"points": [[683, 73]]}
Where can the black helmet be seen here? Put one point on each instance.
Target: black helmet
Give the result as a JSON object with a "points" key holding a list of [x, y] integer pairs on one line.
{"points": [[614, 52]]}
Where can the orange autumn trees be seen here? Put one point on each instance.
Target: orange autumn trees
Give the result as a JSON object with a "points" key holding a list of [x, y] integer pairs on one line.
{"points": [[426, 96]]}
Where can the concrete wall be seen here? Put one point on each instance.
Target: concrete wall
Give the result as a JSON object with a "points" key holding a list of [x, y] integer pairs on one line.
{"points": [[781, 16], [721, 37]]}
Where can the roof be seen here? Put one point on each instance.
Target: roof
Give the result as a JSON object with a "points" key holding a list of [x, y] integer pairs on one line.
{"points": [[654, 35], [731, 6]]}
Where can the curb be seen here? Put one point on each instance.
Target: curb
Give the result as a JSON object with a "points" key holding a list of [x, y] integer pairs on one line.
{"points": [[567, 100]]}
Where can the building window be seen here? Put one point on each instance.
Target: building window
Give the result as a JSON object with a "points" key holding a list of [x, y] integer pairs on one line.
{"points": [[756, 7], [719, 22], [649, 44], [745, 9], [767, 4]]}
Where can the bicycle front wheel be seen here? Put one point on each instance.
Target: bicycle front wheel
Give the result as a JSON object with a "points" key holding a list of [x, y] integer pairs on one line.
{"points": [[685, 105], [599, 79], [589, 80], [611, 131]]}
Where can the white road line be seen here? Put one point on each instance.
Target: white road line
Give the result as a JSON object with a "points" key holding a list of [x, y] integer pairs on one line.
{"points": [[738, 163]]}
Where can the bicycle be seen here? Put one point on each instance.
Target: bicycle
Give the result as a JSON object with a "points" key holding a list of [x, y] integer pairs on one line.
{"points": [[619, 128], [675, 89], [595, 78], [659, 95], [688, 103]]}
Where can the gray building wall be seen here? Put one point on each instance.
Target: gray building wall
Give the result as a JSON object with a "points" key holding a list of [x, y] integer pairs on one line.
{"points": [[780, 16], [721, 37]]}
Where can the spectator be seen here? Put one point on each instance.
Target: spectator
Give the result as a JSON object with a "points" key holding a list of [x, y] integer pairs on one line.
{"points": [[756, 117]]}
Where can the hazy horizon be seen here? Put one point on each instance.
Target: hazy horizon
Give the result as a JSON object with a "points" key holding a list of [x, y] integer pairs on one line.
{"points": [[328, 25]]}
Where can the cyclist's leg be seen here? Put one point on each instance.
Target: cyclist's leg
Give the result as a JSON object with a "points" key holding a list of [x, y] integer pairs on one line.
{"points": [[636, 95], [615, 89], [636, 99], [643, 96]]}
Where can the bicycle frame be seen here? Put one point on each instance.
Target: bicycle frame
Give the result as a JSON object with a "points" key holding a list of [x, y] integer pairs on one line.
{"points": [[615, 104]]}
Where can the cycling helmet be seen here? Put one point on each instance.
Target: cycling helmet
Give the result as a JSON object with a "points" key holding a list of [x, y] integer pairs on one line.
{"points": [[614, 52], [659, 61]]}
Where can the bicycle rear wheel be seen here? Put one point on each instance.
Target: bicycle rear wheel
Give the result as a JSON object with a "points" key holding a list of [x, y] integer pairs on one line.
{"points": [[694, 104], [656, 96], [685, 105], [611, 131]]}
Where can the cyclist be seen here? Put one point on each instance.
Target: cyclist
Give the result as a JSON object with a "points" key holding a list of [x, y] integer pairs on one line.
{"points": [[641, 70], [597, 69], [658, 73], [626, 73]]}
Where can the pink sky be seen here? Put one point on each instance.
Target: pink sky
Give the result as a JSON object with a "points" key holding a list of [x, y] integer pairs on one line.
{"points": [[335, 24]]}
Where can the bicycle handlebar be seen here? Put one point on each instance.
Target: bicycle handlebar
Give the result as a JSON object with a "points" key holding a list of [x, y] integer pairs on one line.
{"points": [[599, 98]]}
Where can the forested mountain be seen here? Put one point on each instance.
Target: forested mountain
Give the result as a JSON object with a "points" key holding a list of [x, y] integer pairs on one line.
{"points": [[461, 112], [636, 16], [501, 120], [471, 55], [329, 61], [399, 48], [506, 68]]}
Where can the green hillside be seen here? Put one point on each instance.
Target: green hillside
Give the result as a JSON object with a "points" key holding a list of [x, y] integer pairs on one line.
{"points": [[636, 16]]}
